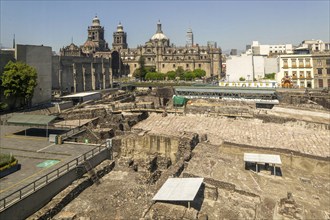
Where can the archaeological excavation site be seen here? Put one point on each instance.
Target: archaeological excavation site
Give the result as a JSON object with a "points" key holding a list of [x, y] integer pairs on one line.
{"points": [[171, 157]]}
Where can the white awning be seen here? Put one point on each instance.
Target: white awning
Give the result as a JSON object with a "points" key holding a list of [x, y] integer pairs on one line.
{"points": [[179, 189], [262, 158]]}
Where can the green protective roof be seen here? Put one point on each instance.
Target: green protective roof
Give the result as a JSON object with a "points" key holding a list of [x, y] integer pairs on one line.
{"points": [[21, 119], [179, 100]]}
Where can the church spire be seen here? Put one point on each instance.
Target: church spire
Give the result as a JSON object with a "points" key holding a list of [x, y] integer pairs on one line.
{"points": [[159, 27]]}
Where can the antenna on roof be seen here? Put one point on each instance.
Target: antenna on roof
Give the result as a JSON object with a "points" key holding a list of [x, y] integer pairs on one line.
{"points": [[71, 40], [14, 43]]}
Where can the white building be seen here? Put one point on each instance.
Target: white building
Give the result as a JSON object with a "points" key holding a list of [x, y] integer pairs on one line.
{"points": [[266, 49], [296, 69], [249, 67], [315, 45]]}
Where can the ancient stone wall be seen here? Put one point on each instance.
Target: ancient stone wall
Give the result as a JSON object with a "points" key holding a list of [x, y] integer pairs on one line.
{"points": [[308, 99], [139, 145], [220, 107]]}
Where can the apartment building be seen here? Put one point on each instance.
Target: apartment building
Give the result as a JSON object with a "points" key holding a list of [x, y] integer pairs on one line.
{"points": [[296, 70]]}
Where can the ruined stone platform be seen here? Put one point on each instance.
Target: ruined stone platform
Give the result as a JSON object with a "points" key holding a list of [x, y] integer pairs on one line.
{"points": [[251, 132]]}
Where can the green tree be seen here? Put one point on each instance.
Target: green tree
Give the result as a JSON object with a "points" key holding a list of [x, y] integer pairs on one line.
{"points": [[19, 81], [155, 76], [141, 71], [199, 73], [241, 79], [270, 76], [171, 75], [189, 75], [180, 72]]}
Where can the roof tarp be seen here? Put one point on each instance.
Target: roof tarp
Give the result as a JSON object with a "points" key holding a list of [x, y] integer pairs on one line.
{"points": [[179, 100], [179, 189], [262, 158], [22, 119]]}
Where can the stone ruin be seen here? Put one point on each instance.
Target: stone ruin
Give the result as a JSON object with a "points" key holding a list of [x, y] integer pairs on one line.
{"points": [[288, 208]]}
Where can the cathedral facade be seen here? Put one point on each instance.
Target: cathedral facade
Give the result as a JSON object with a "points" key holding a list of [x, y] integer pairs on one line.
{"points": [[120, 60], [164, 57]]}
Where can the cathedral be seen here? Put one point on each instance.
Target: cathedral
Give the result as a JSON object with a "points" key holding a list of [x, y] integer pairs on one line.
{"points": [[158, 52], [93, 65]]}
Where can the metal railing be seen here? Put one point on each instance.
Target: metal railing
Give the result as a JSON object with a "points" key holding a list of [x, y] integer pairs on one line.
{"points": [[27, 190]]}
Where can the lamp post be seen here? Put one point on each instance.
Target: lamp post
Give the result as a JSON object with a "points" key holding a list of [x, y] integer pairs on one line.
{"points": [[228, 77], [248, 76]]}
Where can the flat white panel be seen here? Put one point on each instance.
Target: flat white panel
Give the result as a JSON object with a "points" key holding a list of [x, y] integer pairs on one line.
{"points": [[262, 158], [179, 189], [82, 94]]}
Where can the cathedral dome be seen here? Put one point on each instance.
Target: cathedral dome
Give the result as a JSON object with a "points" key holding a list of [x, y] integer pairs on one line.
{"points": [[96, 21], [90, 44], [120, 28], [159, 34]]}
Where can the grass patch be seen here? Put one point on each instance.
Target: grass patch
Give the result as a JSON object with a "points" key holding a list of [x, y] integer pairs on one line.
{"points": [[7, 161]]}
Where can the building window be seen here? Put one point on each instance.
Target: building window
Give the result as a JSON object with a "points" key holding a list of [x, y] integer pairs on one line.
{"points": [[163, 65], [187, 65], [308, 63], [294, 74], [328, 71], [301, 63], [328, 62], [328, 83], [294, 64], [320, 83], [319, 62], [286, 73], [301, 74], [285, 62], [149, 59], [309, 75], [199, 65], [134, 65], [319, 71], [173, 65]]}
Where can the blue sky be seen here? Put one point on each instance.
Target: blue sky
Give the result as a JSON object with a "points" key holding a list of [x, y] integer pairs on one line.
{"points": [[232, 24]]}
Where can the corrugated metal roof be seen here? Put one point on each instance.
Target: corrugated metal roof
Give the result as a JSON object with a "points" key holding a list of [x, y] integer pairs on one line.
{"points": [[262, 158], [220, 90], [22, 119], [179, 189]]}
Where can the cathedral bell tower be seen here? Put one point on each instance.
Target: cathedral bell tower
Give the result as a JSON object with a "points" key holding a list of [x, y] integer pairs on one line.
{"points": [[95, 40], [119, 38]]}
